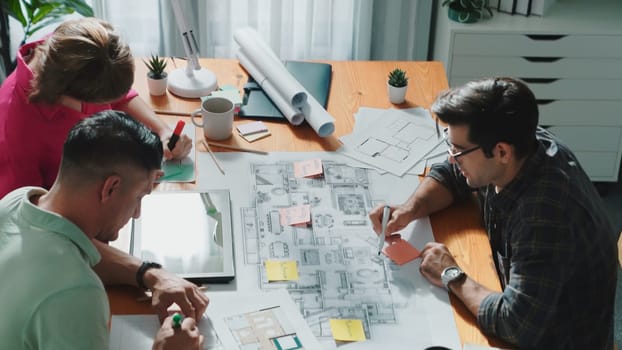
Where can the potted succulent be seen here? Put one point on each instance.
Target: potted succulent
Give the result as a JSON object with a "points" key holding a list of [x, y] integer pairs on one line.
{"points": [[156, 77], [467, 11], [397, 85]]}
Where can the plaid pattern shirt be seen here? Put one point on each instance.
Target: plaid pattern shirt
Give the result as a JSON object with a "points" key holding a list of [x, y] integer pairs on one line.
{"points": [[554, 249]]}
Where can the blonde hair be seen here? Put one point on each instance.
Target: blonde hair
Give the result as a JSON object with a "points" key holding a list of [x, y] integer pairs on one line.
{"points": [[84, 59]]}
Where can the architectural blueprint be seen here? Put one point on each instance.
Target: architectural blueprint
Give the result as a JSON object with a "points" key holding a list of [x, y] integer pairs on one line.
{"points": [[395, 140], [340, 274]]}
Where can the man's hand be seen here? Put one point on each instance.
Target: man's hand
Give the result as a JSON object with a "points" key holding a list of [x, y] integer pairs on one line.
{"points": [[168, 288], [400, 218], [185, 337], [435, 258]]}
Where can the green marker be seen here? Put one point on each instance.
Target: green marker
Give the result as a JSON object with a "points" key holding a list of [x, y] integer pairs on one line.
{"points": [[177, 318]]}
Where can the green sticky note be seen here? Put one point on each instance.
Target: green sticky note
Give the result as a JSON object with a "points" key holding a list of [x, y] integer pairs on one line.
{"points": [[178, 171]]}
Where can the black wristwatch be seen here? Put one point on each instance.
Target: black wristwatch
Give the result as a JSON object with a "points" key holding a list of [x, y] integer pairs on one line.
{"points": [[452, 274], [140, 273]]}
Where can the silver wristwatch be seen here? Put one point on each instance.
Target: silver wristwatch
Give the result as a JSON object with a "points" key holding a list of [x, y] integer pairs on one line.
{"points": [[451, 274]]}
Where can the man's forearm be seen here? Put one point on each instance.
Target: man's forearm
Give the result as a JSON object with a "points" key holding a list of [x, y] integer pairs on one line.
{"points": [[116, 266], [470, 293], [430, 197]]}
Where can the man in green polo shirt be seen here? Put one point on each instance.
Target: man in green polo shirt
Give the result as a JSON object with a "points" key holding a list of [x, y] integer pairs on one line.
{"points": [[53, 261]]}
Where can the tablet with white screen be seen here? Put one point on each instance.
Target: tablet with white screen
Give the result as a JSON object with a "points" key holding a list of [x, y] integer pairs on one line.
{"points": [[189, 233]]}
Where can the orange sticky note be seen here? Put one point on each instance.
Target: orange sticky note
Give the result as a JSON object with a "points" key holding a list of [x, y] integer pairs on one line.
{"points": [[295, 215], [308, 168], [401, 252]]}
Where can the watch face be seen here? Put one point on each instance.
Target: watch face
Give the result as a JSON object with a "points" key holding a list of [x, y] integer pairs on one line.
{"points": [[452, 273]]}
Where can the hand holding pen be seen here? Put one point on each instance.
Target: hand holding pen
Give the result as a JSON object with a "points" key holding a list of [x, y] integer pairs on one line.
{"points": [[386, 215], [178, 145], [184, 334]]}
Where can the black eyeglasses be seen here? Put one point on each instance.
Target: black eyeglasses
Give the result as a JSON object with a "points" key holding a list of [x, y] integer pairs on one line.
{"points": [[450, 147]]}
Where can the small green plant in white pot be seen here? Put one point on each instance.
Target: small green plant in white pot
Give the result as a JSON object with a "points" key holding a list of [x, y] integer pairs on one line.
{"points": [[156, 77], [397, 85]]}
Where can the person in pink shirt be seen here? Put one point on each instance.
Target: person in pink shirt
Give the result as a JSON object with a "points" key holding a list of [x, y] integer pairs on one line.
{"points": [[82, 68]]}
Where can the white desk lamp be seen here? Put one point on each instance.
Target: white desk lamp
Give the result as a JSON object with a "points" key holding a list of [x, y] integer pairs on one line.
{"points": [[192, 81]]}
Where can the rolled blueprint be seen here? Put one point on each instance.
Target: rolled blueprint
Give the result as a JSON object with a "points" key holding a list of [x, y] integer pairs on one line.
{"points": [[319, 119], [292, 114], [282, 88], [267, 62]]}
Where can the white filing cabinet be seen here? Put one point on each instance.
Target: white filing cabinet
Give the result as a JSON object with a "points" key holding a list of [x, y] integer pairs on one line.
{"points": [[571, 59]]}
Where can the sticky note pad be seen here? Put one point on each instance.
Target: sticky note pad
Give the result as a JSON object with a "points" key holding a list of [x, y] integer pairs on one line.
{"points": [[401, 252], [281, 270], [347, 330], [295, 215], [231, 95], [251, 128], [308, 168], [256, 136]]}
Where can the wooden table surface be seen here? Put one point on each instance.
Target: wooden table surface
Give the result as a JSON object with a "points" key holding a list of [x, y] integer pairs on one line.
{"points": [[354, 84]]}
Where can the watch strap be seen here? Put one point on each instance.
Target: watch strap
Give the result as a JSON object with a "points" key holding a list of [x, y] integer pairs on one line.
{"points": [[140, 273]]}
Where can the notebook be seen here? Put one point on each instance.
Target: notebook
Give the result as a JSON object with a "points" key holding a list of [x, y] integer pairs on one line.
{"points": [[313, 76]]}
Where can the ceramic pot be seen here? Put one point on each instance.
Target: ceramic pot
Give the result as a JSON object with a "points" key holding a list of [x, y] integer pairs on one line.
{"points": [[157, 87], [397, 95]]}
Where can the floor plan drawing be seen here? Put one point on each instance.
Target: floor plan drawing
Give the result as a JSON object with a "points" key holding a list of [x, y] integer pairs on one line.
{"points": [[263, 330], [395, 140], [340, 274]]}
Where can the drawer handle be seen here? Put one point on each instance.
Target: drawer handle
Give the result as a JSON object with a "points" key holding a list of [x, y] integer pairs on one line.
{"points": [[544, 102], [544, 37], [539, 80], [542, 59]]}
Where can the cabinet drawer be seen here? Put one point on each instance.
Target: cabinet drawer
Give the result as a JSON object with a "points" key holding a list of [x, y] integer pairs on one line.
{"points": [[600, 166], [539, 45], [575, 112], [531, 67], [589, 138], [564, 89]]}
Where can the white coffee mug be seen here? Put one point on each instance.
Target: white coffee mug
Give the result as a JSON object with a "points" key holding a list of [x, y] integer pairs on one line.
{"points": [[217, 113]]}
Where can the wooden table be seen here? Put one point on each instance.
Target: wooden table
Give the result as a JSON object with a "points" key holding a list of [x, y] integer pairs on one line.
{"points": [[354, 84]]}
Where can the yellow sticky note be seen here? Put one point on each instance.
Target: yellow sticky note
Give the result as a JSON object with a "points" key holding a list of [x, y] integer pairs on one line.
{"points": [[347, 330], [282, 270]]}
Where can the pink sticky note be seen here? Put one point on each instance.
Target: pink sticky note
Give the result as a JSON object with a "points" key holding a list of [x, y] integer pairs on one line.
{"points": [[306, 168], [401, 252], [295, 215]]}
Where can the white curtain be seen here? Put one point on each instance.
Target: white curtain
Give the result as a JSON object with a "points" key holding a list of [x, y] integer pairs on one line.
{"points": [[294, 29]]}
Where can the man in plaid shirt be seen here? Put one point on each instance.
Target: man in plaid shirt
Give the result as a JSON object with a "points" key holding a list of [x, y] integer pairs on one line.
{"points": [[553, 246]]}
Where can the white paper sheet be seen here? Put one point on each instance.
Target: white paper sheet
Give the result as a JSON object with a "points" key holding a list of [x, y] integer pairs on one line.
{"points": [[282, 88], [392, 140], [231, 314], [425, 315]]}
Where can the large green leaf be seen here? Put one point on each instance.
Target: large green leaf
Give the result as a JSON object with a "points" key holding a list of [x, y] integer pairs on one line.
{"points": [[80, 6], [41, 12], [14, 9]]}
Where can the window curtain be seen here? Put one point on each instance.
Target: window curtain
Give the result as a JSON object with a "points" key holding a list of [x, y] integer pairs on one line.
{"points": [[301, 29]]}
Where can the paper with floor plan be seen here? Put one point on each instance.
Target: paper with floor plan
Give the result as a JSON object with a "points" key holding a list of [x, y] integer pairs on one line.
{"points": [[340, 274], [262, 320], [394, 140]]}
